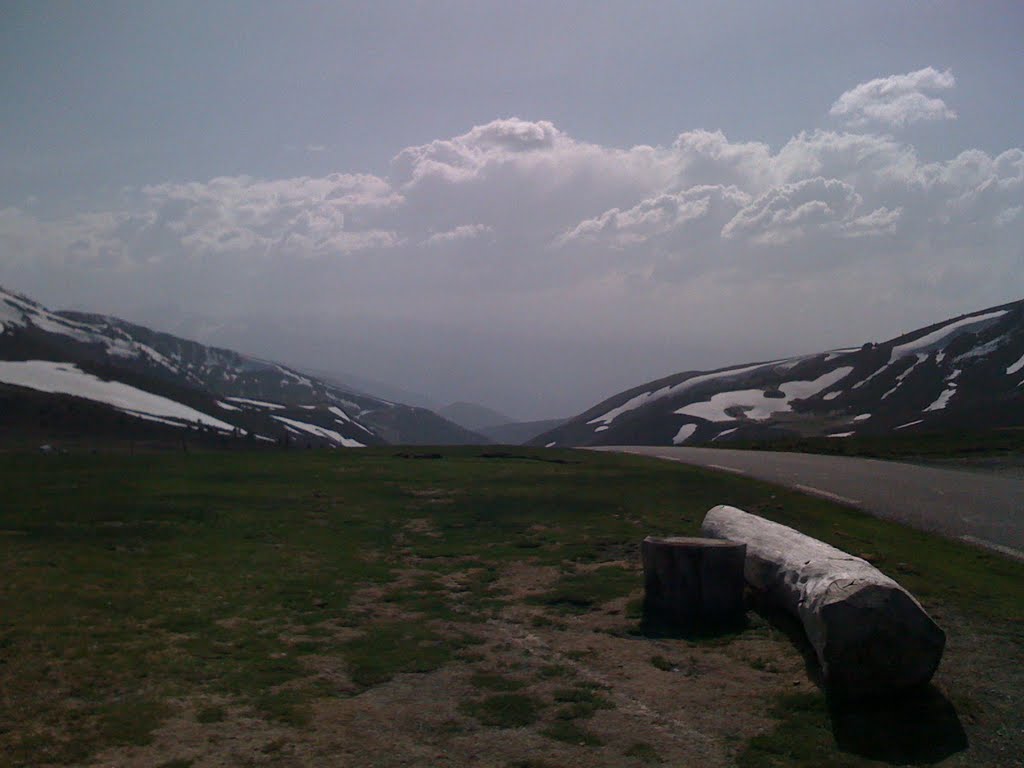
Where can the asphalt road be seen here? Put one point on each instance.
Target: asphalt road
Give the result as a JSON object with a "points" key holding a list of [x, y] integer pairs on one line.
{"points": [[984, 510]]}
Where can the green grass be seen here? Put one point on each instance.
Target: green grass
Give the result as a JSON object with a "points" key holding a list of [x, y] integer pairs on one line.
{"points": [[211, 714], [134, 583], [572, 733], [803, 739], [582, 591], [492, 681], [644, 752], [387, 649], [660, 662], [504, 710], [581, 702], [921, 445]]}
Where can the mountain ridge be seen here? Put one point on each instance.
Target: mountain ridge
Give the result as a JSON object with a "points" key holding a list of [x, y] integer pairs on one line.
{"points": [[182, 384], [473, 415], [966, 370]]}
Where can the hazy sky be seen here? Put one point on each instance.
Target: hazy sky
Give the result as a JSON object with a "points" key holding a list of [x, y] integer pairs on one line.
{"points": [[532, 205]]}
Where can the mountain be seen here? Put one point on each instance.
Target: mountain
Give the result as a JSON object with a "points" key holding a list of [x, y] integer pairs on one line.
{"points": [[519, 432], [360, 384], [473, 416], [88, 372], [967, 372]]}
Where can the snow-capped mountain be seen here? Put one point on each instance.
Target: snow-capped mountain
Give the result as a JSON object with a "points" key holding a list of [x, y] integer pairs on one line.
{"points": [[164, 380], [967, 372]]}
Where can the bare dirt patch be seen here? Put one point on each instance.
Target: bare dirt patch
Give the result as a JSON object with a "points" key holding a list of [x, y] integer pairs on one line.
{"points": [[631, 699]]}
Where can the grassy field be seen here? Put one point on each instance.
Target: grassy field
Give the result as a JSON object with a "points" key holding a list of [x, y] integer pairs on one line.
{"points": [[923, 445], [459, 607]]}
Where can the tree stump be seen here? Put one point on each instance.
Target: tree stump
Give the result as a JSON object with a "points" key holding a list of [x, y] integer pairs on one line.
{"points": [[693, 582], [870, 635]]}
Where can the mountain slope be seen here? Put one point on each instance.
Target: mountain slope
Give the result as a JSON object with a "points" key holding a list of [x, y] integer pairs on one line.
{"points": [[473, 416], [519, 432], [177, 383], [963, 372]]}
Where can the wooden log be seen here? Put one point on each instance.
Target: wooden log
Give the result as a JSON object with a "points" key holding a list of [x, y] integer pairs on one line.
{"points": [[693, 582], [870, 635]]}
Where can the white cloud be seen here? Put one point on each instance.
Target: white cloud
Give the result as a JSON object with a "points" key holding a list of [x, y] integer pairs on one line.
{"points": [[461, 232], [791, 211], [897, 100], [520, 225], [659, 215]]}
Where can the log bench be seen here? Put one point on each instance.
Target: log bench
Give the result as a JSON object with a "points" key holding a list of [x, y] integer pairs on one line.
{"points": [[870, 635]]}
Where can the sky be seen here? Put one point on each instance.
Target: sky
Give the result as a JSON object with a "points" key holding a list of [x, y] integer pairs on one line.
{"points": [[528, 205]]}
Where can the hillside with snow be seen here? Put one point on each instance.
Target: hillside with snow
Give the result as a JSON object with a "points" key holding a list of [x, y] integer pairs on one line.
{"points": [[967, 372], [79, 369]]}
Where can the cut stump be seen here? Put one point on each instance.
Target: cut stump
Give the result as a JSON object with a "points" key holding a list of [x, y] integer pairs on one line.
{"points": [[870, 635], [693, 582]]}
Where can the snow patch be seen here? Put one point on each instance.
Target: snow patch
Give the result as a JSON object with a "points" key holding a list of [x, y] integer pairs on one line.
{"points": [[322, 432], [68, 379], [674, 389], [943, 399], [908, 424], [257, 403], [833, 354], [1016, 366], [899, 379], [862, 382], [785, 365], [344, 417], [755, 405], [685, 433], [339, 413], [983, 349], [227, 407], [944, 333], [862, 417], [841, 434]]}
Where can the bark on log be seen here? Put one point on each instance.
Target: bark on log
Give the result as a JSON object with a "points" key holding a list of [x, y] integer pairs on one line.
{"points": [[693, 582], [871, 636]]}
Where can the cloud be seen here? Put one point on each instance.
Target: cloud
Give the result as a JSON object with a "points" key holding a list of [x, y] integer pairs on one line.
{"points": [[461, 232], [657, 216], [897, 100], [791, 211], [235, 215], [519, 225]]}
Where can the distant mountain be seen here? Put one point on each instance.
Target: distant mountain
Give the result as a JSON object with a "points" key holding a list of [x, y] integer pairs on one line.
{"points": [[519, 432], [136, 379], [473, 416], [967, 372], [361, 385]]}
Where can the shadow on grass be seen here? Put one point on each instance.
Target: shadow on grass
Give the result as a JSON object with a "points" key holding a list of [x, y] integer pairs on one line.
{"points": [[654, 625], [791, 627], [917, 727]]}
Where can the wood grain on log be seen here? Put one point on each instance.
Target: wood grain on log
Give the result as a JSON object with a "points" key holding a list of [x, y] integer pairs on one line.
{"points": [[693, 582], [870, 635]]}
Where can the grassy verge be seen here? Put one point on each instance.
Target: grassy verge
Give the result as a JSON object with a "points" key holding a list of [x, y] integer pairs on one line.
{"points": [[142, 588], [922, 445]]}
